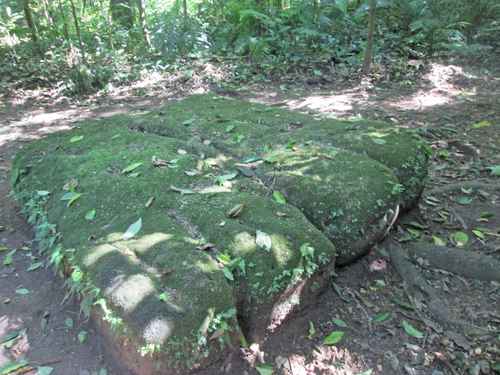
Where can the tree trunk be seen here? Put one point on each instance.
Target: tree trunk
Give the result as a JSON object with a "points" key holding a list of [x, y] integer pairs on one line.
{"points": [[121, 13], [142, 20], [78, 32], [185, 9], [369, 43], [47, 14], [28, 15], [65, 23]]}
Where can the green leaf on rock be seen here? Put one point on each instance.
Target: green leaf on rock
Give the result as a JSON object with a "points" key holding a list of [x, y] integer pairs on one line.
{"points": [[182, 190], [226, 177], [251, 159], [9, 337], [411, 331], [382, 317], [228, 274], [495, 170], [438, 241], [333, 338], [481, 124], [12, 367], [340, 323], [35, 266], [8, 260], [164, 296], [279, 197], [90, 215], [131, 167], [463, 200], [460, 239], [71, 197], [188, 122], [82, 336], [379, 141], [44, 370], [264, 369], [133, 229], [479, 234], [76, 138]]}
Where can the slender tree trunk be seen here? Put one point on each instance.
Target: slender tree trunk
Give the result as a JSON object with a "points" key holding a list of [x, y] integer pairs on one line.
{"points": [[111, 30], [142, 20], [185, 9], [369, 43], [47, 13], [317, 10], [78, 32], [65, 23], [28, 15]]}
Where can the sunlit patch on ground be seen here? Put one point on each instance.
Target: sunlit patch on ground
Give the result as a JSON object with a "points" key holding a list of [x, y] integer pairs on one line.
{"points": [[45, 122], [18, 345], [442, 89], [338, 104], [323, 360]]}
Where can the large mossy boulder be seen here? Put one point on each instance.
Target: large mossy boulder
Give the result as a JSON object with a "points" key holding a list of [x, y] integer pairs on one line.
{"points": [[203, 225]]}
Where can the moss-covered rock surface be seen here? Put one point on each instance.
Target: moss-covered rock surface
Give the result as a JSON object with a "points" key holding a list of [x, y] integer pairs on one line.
{"points": [[204, 224]]}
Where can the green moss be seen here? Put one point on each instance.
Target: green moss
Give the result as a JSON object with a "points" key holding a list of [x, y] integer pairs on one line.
{"points": [[341, 192], [196, 160]]}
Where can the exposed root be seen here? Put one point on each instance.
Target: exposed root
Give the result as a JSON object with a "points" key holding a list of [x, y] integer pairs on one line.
{"points": [[474, 184], [461, 262], [420, 292]]}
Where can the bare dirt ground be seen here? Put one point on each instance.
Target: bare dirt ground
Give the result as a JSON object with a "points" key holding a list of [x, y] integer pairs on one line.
{"points": [[455, 106]]}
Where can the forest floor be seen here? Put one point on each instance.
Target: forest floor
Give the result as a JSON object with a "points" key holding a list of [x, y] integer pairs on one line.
{"points": [[455, 106]]}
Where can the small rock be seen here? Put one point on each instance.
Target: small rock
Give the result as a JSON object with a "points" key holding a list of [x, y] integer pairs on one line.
{"points": [[280, 361], [445, 341], [485, 367], [391, 360], [475, 370]]}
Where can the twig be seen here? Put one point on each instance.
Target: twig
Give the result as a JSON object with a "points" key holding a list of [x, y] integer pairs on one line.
{"points": [[46, 363], [447, 363], [358, 298]]}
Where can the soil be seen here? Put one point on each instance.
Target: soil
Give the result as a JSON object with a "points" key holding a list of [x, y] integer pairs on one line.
{"points": [[455, 106]]}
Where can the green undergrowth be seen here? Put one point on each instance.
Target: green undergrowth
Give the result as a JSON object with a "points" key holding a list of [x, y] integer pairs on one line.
{"points": [[184, 222]]}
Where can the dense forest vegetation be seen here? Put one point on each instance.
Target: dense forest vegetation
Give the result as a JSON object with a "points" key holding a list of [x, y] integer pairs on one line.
{"points": [[84, 45]]}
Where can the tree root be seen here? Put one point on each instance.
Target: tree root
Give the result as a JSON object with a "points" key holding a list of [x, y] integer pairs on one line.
{"points": [[420, 293], [474, 184], [460, 262]]}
